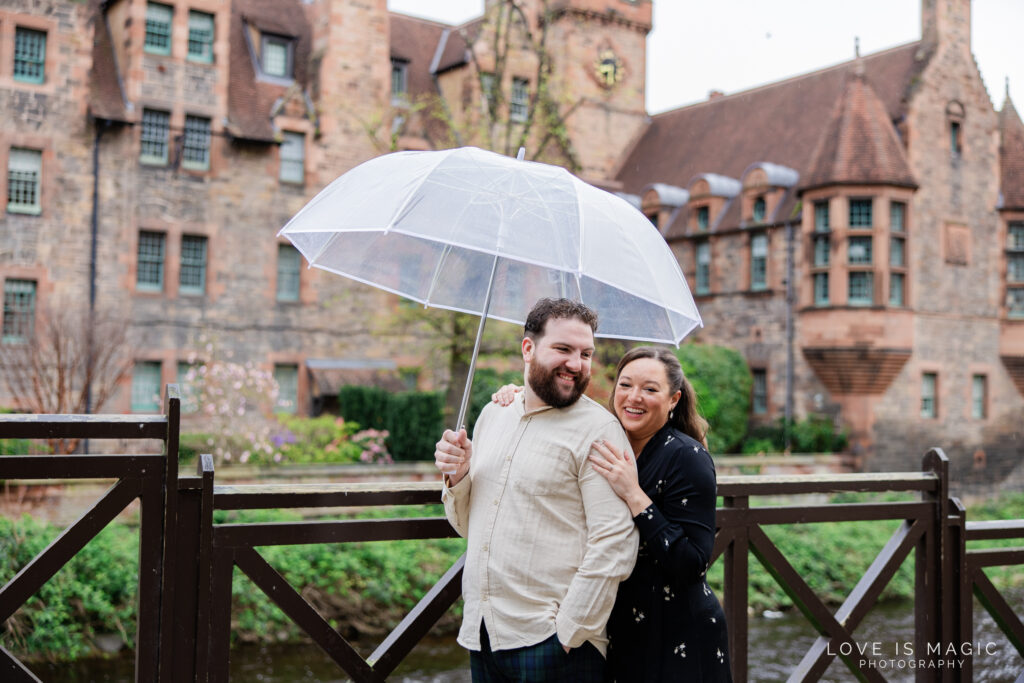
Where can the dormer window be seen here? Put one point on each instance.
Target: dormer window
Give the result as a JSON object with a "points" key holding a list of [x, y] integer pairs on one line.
{"points": [[276, 55], [759, 210], [703, 214]]}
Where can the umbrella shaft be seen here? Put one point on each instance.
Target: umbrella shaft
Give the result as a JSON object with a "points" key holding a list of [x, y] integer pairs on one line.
{"points": [[476, 349]]}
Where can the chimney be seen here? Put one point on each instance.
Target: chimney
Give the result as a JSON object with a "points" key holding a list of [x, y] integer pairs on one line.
{"points": [[946, 22]]}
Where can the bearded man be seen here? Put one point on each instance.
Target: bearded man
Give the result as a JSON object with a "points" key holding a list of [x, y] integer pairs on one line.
{"points": [[548, 540]]}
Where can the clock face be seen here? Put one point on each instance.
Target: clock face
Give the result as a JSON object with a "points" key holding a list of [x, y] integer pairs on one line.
{"points": [[608, 68]]}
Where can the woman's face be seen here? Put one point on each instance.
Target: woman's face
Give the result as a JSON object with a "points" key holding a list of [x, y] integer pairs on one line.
{"points": [[642, 399]]}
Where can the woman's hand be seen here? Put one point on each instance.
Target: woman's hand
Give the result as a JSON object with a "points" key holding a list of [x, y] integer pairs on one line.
{"points": [[505, 395], [620, 471]]}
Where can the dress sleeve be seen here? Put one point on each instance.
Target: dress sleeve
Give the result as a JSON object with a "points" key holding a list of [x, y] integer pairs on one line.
{"points": [[680, 534]]}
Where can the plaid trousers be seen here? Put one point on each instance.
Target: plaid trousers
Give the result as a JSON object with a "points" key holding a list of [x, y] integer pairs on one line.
{"points": [[545, 661]]}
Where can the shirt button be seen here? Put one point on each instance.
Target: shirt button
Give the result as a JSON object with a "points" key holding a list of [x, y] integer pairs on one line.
{"points": [[495, 501], [484, 549]]}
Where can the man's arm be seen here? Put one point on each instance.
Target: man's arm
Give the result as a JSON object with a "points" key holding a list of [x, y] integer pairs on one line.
{"points": [[612, 542]]}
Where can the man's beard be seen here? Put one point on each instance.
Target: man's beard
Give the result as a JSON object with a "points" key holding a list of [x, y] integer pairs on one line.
{"points": [[545, 386]]}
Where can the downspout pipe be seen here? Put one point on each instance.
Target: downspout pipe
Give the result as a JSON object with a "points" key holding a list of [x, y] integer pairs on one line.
{"points": [[101, 127]]}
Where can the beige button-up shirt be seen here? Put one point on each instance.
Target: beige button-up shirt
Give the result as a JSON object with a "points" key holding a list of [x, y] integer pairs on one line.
{"points": [[548, 539]]}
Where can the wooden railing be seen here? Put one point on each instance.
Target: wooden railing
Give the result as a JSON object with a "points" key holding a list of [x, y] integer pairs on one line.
{"points": [[187, 560]]}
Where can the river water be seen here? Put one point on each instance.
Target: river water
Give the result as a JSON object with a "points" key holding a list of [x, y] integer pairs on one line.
{"points": [[776, 645]]}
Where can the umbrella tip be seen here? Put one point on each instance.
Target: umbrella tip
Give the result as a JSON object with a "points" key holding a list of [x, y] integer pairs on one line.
{"points": [[522, 154]]}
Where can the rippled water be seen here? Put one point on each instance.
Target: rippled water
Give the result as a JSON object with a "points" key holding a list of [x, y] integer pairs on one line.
{"points": [[776, 646]]}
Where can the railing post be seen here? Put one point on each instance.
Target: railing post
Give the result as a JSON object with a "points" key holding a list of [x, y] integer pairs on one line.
{"points": [[167, 604], [737, 564], [931, 594], [963, 630]]}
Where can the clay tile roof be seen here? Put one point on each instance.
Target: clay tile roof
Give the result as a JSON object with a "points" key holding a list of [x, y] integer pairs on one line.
{"points": [[106, 99], [859, 145], [416, 41], [779, 123], [1011, 156], [250, 100]]}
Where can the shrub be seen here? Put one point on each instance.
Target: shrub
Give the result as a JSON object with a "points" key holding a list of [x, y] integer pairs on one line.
{"points": [[722, 381], [414, 421], [815, 434], [366, 405]]}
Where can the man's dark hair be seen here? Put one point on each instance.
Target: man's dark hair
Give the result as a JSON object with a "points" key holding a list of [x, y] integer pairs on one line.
{"points": [[545, 309]]}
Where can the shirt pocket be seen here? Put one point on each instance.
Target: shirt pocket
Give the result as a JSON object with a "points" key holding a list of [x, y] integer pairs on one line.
{"points": [[547, 468]]}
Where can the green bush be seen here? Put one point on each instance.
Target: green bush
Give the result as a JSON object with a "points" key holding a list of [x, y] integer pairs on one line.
{"points": [[414, 423], [722, 381], [413, 419], [815, 434], [486, 381]]}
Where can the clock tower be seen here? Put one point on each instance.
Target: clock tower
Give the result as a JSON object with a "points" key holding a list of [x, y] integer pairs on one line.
{"points": [[599, 53]]}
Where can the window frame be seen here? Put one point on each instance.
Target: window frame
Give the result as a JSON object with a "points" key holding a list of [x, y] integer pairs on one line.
{"points": [[193, 264], [399, 78], [758, 262], [930, 395], [519, 102], [197, 137], [759, 209], [18, 319], [148, 130], [195, 17], [160, 28], [702, 216], [979, 404], [286, 162], [285, 274], [759, 391], [160, 263], [18, 156], [139, 369], [858, 209], [288, 43], [1014, 253], [281, 406], [702, 271], [29, 59]]}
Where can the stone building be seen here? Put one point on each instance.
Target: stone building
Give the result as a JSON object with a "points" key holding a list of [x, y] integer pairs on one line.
{"points": [[856, 232]]}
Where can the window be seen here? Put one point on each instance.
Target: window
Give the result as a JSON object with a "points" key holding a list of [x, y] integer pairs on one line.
{"points": [[192, 279], [519, 105], [487, 90], [156, 126], [821, 223], [150, 271], [859, 250], [929, 404], [29, 55], [195, 151], [860, 213], [158, 28], [146, 386], [758, 261], [24, 170], [759, 399], [979, 397], [187, 385], [861, 291], [821, 289], [287, 378], [897, 285], [703, 216], [759, 210], [293, 157], [896, 255], [200, 37], [897, 217], [19, 311], [1015, 270], [289, 265], [822, 249], [703, 268], [276, 56], [955, 139], [399, 82]]}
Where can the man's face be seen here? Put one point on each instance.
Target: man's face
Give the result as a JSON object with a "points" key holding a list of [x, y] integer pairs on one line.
{"points": [[559, 362]]}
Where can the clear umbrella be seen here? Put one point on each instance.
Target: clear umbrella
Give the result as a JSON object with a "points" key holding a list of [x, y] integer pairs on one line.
{"points": [[477, 232]]}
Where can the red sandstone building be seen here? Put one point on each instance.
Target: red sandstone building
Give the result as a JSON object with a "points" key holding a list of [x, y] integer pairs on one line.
{"points": [[856, 232]]}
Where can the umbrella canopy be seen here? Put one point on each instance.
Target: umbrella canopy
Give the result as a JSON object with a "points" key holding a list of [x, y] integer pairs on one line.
{"points": [[477, 232]]}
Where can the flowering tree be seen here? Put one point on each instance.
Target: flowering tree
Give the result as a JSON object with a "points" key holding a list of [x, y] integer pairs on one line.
{"points": [[236, 403]]}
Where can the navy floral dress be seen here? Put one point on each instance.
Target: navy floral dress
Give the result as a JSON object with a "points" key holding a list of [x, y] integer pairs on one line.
{"points": [[667, 625]]}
